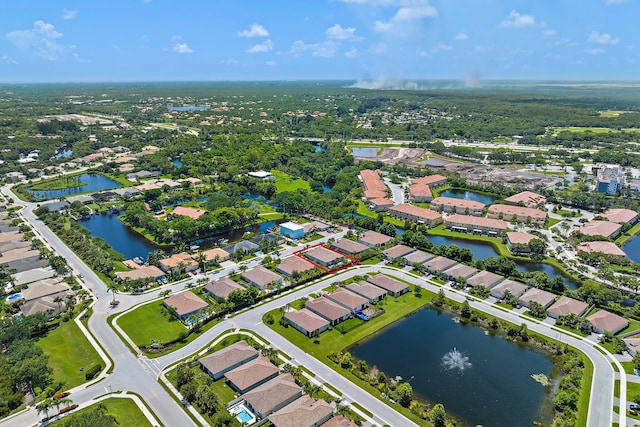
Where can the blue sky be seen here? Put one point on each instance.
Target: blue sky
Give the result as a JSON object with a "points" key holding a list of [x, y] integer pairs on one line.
{"points": [[373, 40]]}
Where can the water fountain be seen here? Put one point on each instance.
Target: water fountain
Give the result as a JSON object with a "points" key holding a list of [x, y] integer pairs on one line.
{"points": [[455, 360]]}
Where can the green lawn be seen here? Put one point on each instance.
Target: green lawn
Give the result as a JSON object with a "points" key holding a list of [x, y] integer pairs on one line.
{"points": [[284, 182], [628, 234], [149, 323], [124, 410], [633, 389], [364, 211], [551, 222], [628, 367], [67, 181], [69, 350]]}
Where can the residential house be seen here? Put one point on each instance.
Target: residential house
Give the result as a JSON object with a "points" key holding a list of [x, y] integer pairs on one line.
{"points": [[349, 247], [251, 374], [521, 239], [374, 187], [485, 279], [606, 248], [419, 257], [420, 193], [516, 289], [293, 230], [185, 304], [439, 264], [473, 224], [328, 309], [606, 229], [179, 261], [509, 212], [306, 321], [381, 204], [603, 321], [460, 271], [432, 181], [527, 198], [544, 298], [349, 300], [221, 288], [244, 246], [303, 412], [368, 290], [621, 216], [188, 212], [565, 305], [339, 421], [228, 358], [272, 395], [373, 239], [416, 214], [216, 255], [393, 286], [323, 256], [292, 264], [141, 273], [396, 252], [453, 205], [260, 277]]}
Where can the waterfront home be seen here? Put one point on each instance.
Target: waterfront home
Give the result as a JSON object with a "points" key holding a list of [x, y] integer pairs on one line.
{"points": [[420, 193], [453, 205], [349, 300], [216, 255], [527, 198], [418, 256], [291, 264], [621, 216], [460, 271], [328, 309], [260, 277], [315, 226], [141, 273], [306, 321], [251, 374], [221, 288], [303, 412], [565, 305], [244, 246], [396, 252], [188, 212], [349, 247], [292, 230], [368, 290], [516, 289], [185, 304], [374, 187], [373, 239], [606, 229], [380, 204], [485, 279], [606, 248], [178, 261], [603, 321], [60, 206], [474, 224], [276, 393], [393, 286], [544, 298], [432, 181], [228, 358], [439, 264], [416, 214], [520, 214], [520, 239]]}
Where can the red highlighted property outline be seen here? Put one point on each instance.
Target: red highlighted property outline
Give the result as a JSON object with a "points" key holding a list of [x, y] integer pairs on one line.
{"points": [[354, 261]]}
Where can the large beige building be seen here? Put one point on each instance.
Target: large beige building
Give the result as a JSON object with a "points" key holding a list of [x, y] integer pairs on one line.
{"points": [[509, 212], [453, 205], [416, 214]]}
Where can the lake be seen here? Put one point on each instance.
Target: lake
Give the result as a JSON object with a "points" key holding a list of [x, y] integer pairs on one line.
{"points": [[632, 248], [119, 236], [468, 195], [481, 378], [94, 183], [483, 250]]}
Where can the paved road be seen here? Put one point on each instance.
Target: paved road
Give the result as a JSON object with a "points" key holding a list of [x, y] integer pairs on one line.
{"points": [[136, 374], [396, 190]]}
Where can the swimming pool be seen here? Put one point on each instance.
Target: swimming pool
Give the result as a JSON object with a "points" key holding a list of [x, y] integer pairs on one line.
{"points": [[15, 297], [243, 414]]}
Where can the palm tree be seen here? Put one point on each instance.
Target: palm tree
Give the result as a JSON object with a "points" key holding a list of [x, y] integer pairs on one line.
{"points": [[201, 259], [113, 287], [44, 407]]}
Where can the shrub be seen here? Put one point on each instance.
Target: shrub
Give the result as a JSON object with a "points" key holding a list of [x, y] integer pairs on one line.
{"points": [[92, 372]]}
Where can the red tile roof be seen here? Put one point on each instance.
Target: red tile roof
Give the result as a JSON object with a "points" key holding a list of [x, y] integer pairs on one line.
{"points": [[607, 248], [600, 228], [620, 215], [190, 212], [416, 211]]}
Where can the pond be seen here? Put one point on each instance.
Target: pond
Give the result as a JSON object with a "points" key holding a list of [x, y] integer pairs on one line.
{"points": [[481, 378], [469, 195], [632, 248], [94, 183], [364, 151], [119, 236], [177, 162], [483, 250], [189, 108], [318, 148]]}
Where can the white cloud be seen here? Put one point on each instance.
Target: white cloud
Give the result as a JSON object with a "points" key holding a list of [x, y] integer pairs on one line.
{"points": [[461, 36], [441, 46], [8, 60], [271, 63], [595, 51], [256, 30], [602, 38], [231, 61], [549, 33], [338, 33], [265, 46], [422, 53], [411, 11], [178, 47], [616, 1], [327, 49], [351, 53], [517, 20], [69, 14], [39, 41]]}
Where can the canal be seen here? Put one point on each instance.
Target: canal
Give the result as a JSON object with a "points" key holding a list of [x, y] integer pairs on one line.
{"points": [[481, 378]]}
